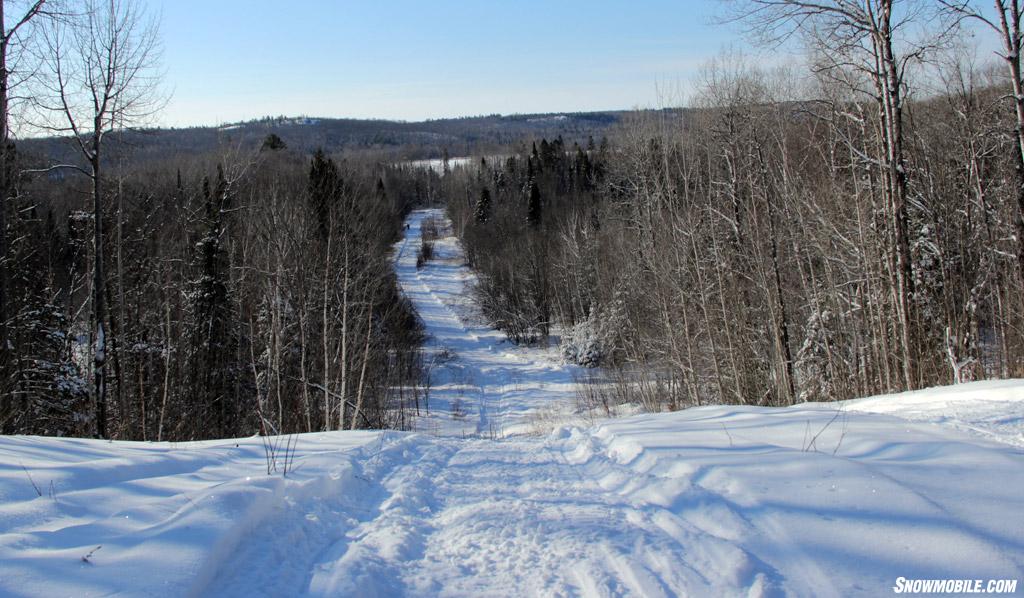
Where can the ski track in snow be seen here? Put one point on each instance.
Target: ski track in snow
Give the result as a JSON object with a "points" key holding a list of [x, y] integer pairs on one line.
{"points": [[514, 497]]}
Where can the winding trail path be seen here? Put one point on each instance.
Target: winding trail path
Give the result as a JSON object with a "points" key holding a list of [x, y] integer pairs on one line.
{"points": [[488, 508], [481, 384]]}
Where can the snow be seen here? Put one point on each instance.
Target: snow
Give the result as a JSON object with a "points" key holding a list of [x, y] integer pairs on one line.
{"points": [[437, 164], [168, 517], [992, 409], [815, 500]]}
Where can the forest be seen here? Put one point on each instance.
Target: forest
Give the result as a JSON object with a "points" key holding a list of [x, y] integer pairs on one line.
{"points": [[241, 290], [844, 226], [848, 227]]}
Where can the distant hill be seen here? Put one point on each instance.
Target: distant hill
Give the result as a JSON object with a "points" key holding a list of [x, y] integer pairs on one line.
{"points": [[399, 139]]}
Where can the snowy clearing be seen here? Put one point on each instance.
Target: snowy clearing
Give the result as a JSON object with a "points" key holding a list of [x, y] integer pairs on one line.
{"points": [[502, 498]]}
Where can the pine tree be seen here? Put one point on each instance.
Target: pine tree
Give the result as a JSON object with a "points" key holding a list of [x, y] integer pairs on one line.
{"points": [[43, 392], [582, 169], [545, 154], [325, 188], [212, 316], [533, 208], [52, 388], [273, 142], [483, 206]]}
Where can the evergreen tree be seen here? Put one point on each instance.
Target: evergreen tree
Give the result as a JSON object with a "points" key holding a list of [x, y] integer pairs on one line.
{"points": [[533, 207], [212, 316], [483, 206], [43, 390], [583, 170], [545, 155], [273, 142], [325, 187], [50, 385]]}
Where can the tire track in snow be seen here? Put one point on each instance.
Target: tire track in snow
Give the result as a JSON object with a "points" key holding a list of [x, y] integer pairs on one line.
{"points": [[369, 559], [278, 545]]}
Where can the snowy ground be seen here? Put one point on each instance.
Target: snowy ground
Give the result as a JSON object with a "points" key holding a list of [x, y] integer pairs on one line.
{"points": [[815, 500]]}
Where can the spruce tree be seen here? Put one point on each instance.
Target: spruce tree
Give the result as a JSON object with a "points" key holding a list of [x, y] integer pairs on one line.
{"points": [[212, 315], [533, 207], [273, 142], [483, 206], [546, 154], [324, 188]]}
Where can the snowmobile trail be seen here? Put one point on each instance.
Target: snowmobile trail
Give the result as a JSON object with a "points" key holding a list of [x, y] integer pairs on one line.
{"points": [[515, 517], [481, 384], [488, 509], [481, 502], [499, 491]]}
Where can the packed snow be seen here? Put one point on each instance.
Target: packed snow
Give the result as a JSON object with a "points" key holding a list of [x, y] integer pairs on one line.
{"points": [[500, 492]]}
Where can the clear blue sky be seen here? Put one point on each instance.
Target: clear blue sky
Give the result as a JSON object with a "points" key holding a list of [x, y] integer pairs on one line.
{"points": [[229, 60]]}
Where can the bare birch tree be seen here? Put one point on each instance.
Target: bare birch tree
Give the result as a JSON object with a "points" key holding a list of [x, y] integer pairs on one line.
{"points": [[11, 50], [103, 76], [870, 37], [1006, 23]]}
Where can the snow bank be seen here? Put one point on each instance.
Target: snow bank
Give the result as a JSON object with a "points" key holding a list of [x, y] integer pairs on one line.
{"points": [[159, 518], [819, 500], [992, 409], [815, 500]]}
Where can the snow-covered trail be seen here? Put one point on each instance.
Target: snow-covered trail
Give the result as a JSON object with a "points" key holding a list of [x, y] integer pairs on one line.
{"points": [[481, 385], [484, 506], [521, 518], [501, 497]]}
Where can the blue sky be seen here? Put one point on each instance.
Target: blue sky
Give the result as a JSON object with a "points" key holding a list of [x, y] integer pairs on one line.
{"points": [[229, 60]]}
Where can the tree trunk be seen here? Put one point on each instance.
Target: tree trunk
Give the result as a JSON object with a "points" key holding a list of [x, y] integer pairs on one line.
{"points": [[344, 343], [1012, 45], [98, 285], [4, 192], [362, 372]]}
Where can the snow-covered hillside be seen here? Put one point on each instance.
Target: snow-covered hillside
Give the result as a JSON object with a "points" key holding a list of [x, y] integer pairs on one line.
{"points": [[509, 497]]}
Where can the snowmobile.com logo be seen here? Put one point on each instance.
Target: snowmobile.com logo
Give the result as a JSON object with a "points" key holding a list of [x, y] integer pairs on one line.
{"points": [[954, 586]]}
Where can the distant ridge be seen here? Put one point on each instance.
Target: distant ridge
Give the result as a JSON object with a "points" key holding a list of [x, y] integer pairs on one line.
{"points": [[405, 140]]}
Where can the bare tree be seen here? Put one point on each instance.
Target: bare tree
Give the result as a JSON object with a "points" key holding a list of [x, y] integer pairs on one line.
{"points": [[1006, 23], [9, 44], [103, 76], [870, 37]]}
